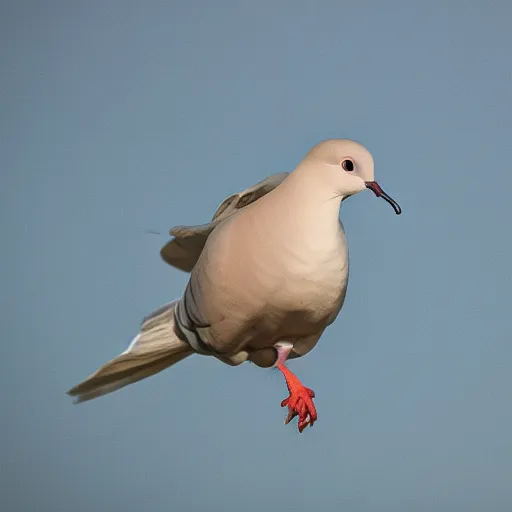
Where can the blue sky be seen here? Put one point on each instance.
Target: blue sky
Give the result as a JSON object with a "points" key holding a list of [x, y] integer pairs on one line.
{"points": [[119, 117]]}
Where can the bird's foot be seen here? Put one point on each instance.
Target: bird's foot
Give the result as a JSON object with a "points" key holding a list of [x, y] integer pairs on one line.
{"points": [[300, 402]]}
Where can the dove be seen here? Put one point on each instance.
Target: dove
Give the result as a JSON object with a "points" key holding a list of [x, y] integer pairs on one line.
{"points": [[268, 275]]}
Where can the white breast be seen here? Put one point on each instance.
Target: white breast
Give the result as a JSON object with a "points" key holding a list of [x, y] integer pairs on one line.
{"points": [[315, 274]]}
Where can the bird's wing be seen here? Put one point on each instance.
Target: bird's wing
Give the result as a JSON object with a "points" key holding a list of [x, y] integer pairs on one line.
{"points": [[184, 249]]}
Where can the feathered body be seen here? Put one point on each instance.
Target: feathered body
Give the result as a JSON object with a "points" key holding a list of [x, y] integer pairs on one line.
{"points": [[268, 274], [300, 278]]}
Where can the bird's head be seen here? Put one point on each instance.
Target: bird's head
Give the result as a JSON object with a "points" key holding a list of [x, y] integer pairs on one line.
{"points": [[348, 168]]}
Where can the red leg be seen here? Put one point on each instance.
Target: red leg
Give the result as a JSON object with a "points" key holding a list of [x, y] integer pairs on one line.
{"points": [[300, 401]]}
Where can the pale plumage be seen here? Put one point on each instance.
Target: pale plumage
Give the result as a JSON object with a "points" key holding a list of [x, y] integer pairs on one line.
{"points": [[268, 275]]}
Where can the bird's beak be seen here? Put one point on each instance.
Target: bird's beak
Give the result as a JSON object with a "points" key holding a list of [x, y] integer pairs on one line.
{"points": [[375, 188]]}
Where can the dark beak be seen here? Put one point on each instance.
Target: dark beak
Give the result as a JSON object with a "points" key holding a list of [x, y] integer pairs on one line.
{"points": [[375, 188]]}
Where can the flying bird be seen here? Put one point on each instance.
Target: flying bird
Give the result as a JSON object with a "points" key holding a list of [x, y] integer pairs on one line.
{"points": [[268, 275]]}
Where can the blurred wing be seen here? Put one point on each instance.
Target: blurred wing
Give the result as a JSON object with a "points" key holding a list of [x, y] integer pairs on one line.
{"points": [[184, 249]]}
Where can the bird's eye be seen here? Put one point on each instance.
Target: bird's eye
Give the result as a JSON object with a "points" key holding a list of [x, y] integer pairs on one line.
{"points": [[348, 165]]}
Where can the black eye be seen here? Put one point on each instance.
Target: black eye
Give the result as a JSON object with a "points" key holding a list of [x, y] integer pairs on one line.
{"points": [[348, 165]]}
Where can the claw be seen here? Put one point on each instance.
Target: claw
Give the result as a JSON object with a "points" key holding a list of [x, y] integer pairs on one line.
{"points": [[291, 415], [299, 402]]}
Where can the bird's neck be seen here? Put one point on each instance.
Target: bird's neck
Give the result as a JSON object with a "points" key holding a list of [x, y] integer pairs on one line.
{"points": [[311, 199], [309, 216]]}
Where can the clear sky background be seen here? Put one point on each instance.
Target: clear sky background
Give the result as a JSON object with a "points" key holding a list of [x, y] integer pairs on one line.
{"points": [[119, 116]]}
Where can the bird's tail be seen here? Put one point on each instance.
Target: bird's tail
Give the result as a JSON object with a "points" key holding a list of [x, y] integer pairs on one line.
{"points": [[155, 348]]}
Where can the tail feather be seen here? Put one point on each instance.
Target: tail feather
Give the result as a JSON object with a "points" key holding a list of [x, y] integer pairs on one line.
{"points": [[155, 348]]}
